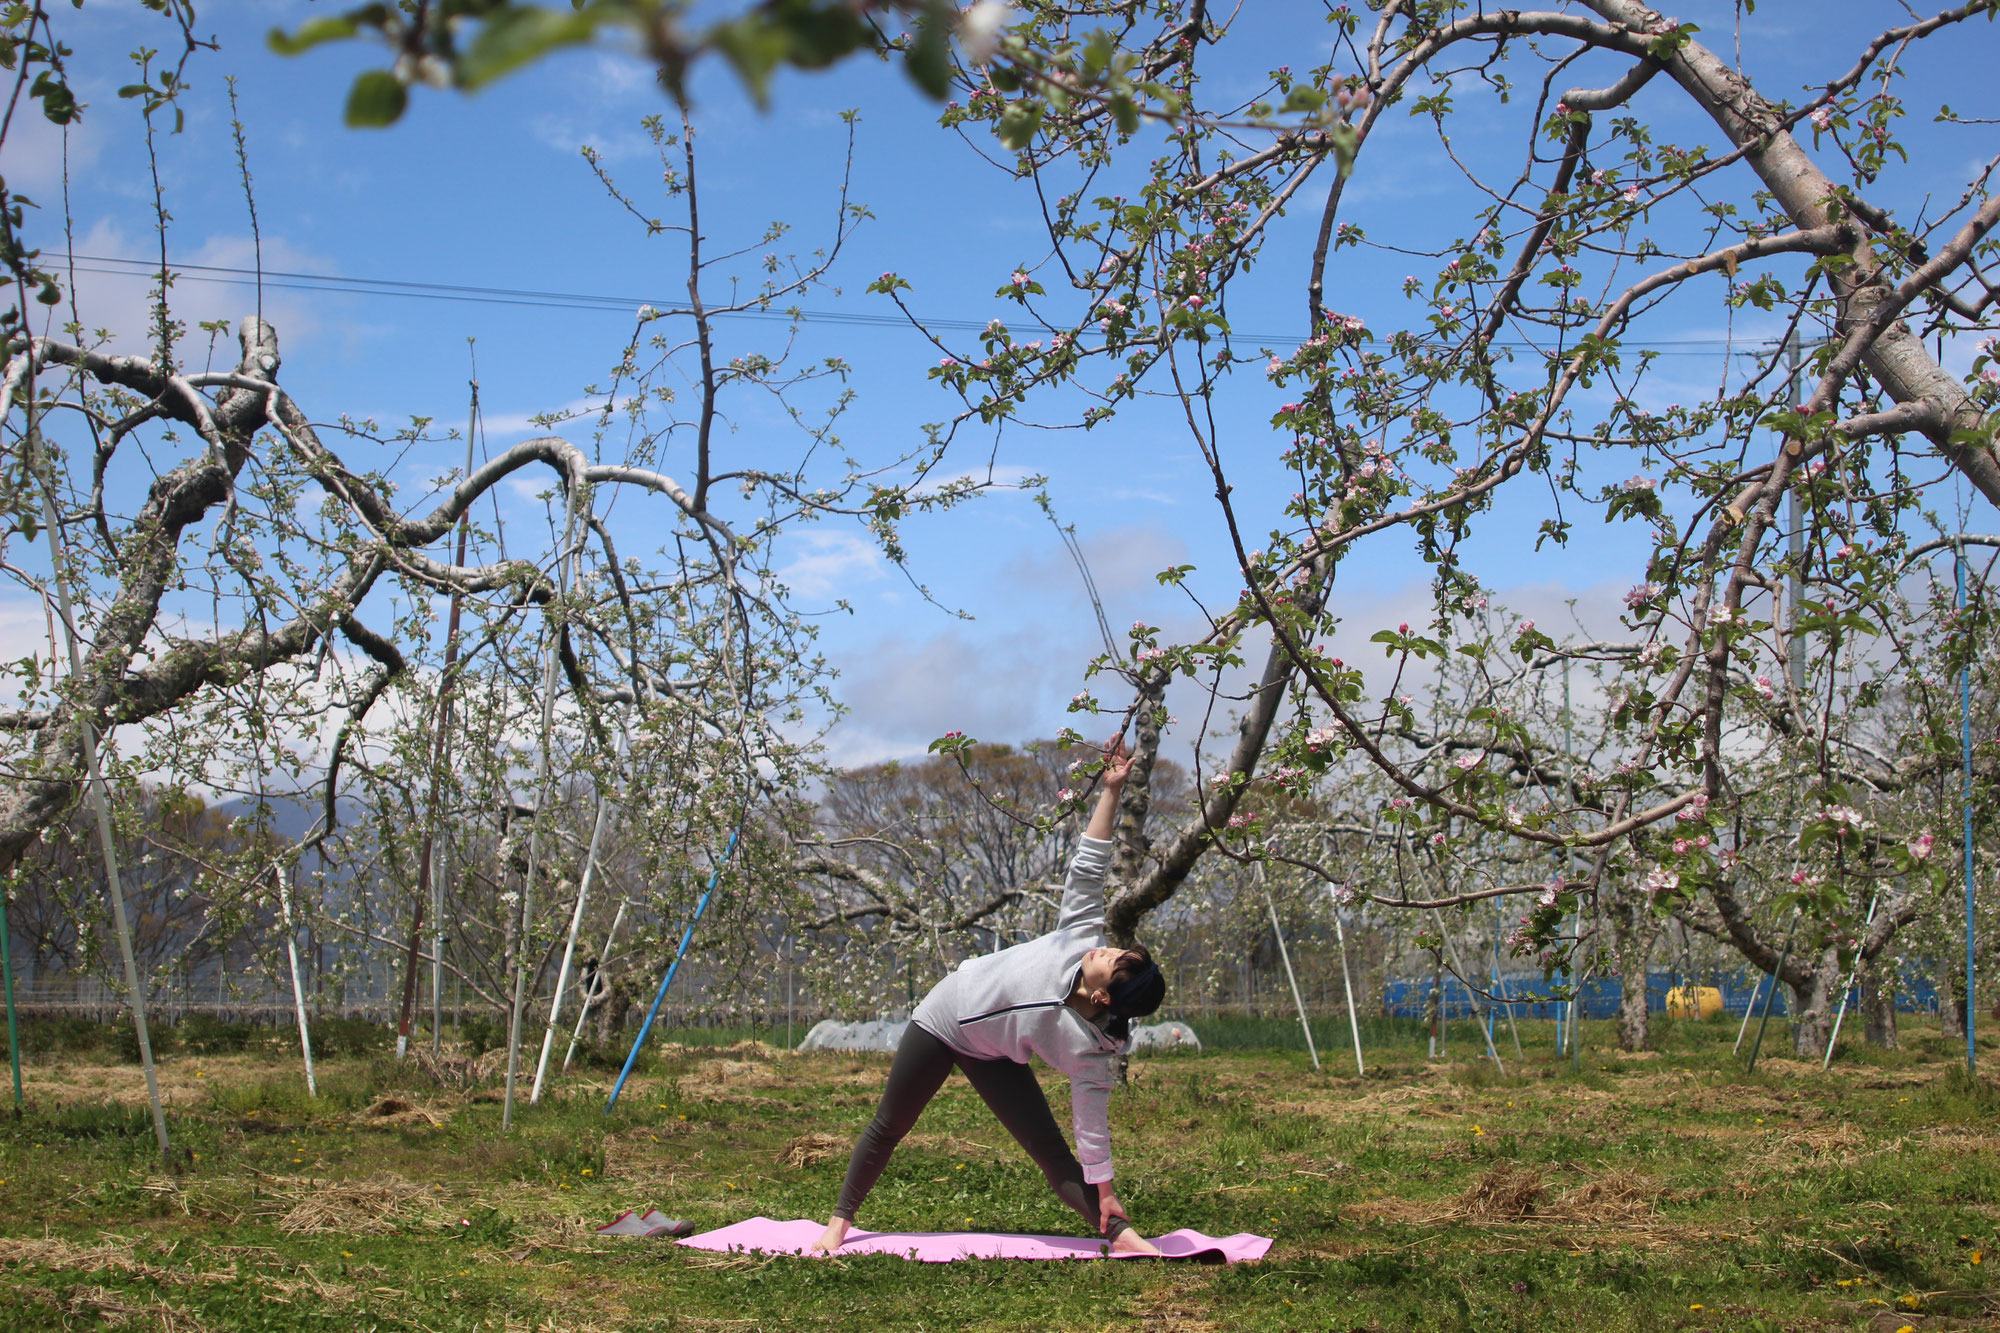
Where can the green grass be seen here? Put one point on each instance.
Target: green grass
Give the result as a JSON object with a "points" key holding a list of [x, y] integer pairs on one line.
{"points": [[1664, 1192]]}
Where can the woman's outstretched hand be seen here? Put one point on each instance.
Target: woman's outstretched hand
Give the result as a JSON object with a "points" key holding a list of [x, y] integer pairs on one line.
{"points": [[1117, 762]]}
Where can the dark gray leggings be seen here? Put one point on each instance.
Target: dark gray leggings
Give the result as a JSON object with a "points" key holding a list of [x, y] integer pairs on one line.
{"points": [[921, 1066]]}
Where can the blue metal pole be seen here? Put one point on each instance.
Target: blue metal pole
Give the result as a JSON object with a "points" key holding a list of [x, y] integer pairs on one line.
{"points": [[1965, 753], [7, 972], [686, 937]]}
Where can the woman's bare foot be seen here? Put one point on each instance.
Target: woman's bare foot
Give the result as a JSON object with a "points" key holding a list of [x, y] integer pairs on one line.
{"points": [[830, 1239], [1131, 1242]]}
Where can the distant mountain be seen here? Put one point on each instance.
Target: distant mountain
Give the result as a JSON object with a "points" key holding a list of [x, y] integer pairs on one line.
{"points": [[293, 814]]}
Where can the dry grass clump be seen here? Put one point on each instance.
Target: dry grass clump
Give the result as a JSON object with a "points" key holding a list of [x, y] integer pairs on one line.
{"points": [[379, 1206], [808, 1149], [956, 1146], [1613, 1197], [396, 1111], [1510, 1195], [459, 1073], [116, 1311], [548, 1231], [742, 1050], [718, 1077], [70, 1256], [308, 1285], [1507, 1193], [1177, 1307], [1835, 1140]]}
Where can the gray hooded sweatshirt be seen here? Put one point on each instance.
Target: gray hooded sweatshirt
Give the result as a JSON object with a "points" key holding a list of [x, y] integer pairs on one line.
{"points": [[1013, 1004]]}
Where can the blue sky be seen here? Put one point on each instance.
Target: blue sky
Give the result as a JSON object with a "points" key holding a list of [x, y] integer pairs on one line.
{"points": [[491, 191]]}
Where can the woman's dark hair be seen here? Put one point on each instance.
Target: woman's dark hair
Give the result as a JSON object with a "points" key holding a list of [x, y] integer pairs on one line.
{"points": [[1136, 989]]}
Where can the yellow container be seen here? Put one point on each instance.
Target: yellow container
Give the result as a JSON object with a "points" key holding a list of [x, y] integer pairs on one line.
{"points": [[1694, 1002]]}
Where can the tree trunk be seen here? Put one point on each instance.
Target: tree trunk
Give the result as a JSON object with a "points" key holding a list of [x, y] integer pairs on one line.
{"points": [[1878, 1002], [1631, 920], [610, 1013], [1951, 1004], [1812, 1006], [1635, 1027]]}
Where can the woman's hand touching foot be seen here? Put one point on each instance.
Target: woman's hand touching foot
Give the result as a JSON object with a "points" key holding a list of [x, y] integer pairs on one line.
{"points": [[1131, 1242]]}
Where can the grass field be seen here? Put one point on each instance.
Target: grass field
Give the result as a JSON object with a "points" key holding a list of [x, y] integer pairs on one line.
{"points": [[1663, 1192]]}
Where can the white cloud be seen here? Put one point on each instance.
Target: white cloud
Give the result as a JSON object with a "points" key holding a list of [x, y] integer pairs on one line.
{"points": [[121, 302], [524, 423], [24, 632], [604, 112], [1124, 563], [907, 692], [1000, 475], [35, 153], [829, 564]]}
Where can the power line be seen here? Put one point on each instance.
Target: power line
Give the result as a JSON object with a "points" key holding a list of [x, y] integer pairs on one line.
{"points": [[549, 300]]}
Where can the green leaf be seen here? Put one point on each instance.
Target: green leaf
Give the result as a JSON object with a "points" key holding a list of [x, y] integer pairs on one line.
{"points": [[1098, 51], [377, 99], [58, 103], [754, 48], [1018, 124], [1345, 141], [333, 28], [929, 61], [517, 34], [817, 37], [1125, 112]]}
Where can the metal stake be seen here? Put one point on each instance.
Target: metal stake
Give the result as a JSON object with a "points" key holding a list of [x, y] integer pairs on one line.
{"points": [[1347, 984], [568, 550], [679, 953], [1771, 997], [1853, 973], [298, 987], [100, 802], [1965, 750], [583, 1011], [1286, 955], [7, 968], [569, 947]]}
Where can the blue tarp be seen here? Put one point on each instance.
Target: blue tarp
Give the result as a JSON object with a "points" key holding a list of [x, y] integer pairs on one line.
{"points": [[1529, 995]]}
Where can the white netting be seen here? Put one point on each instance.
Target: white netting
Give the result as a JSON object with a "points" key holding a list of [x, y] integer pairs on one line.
{"points": [[1165, 1037], [877, 1034]]}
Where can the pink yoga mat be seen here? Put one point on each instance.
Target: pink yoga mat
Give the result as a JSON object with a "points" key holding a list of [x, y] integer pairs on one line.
{"points": [[765, 1236]]}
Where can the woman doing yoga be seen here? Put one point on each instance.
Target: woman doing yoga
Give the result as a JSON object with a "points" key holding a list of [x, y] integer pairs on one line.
{"points": [[1066, 997]]}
